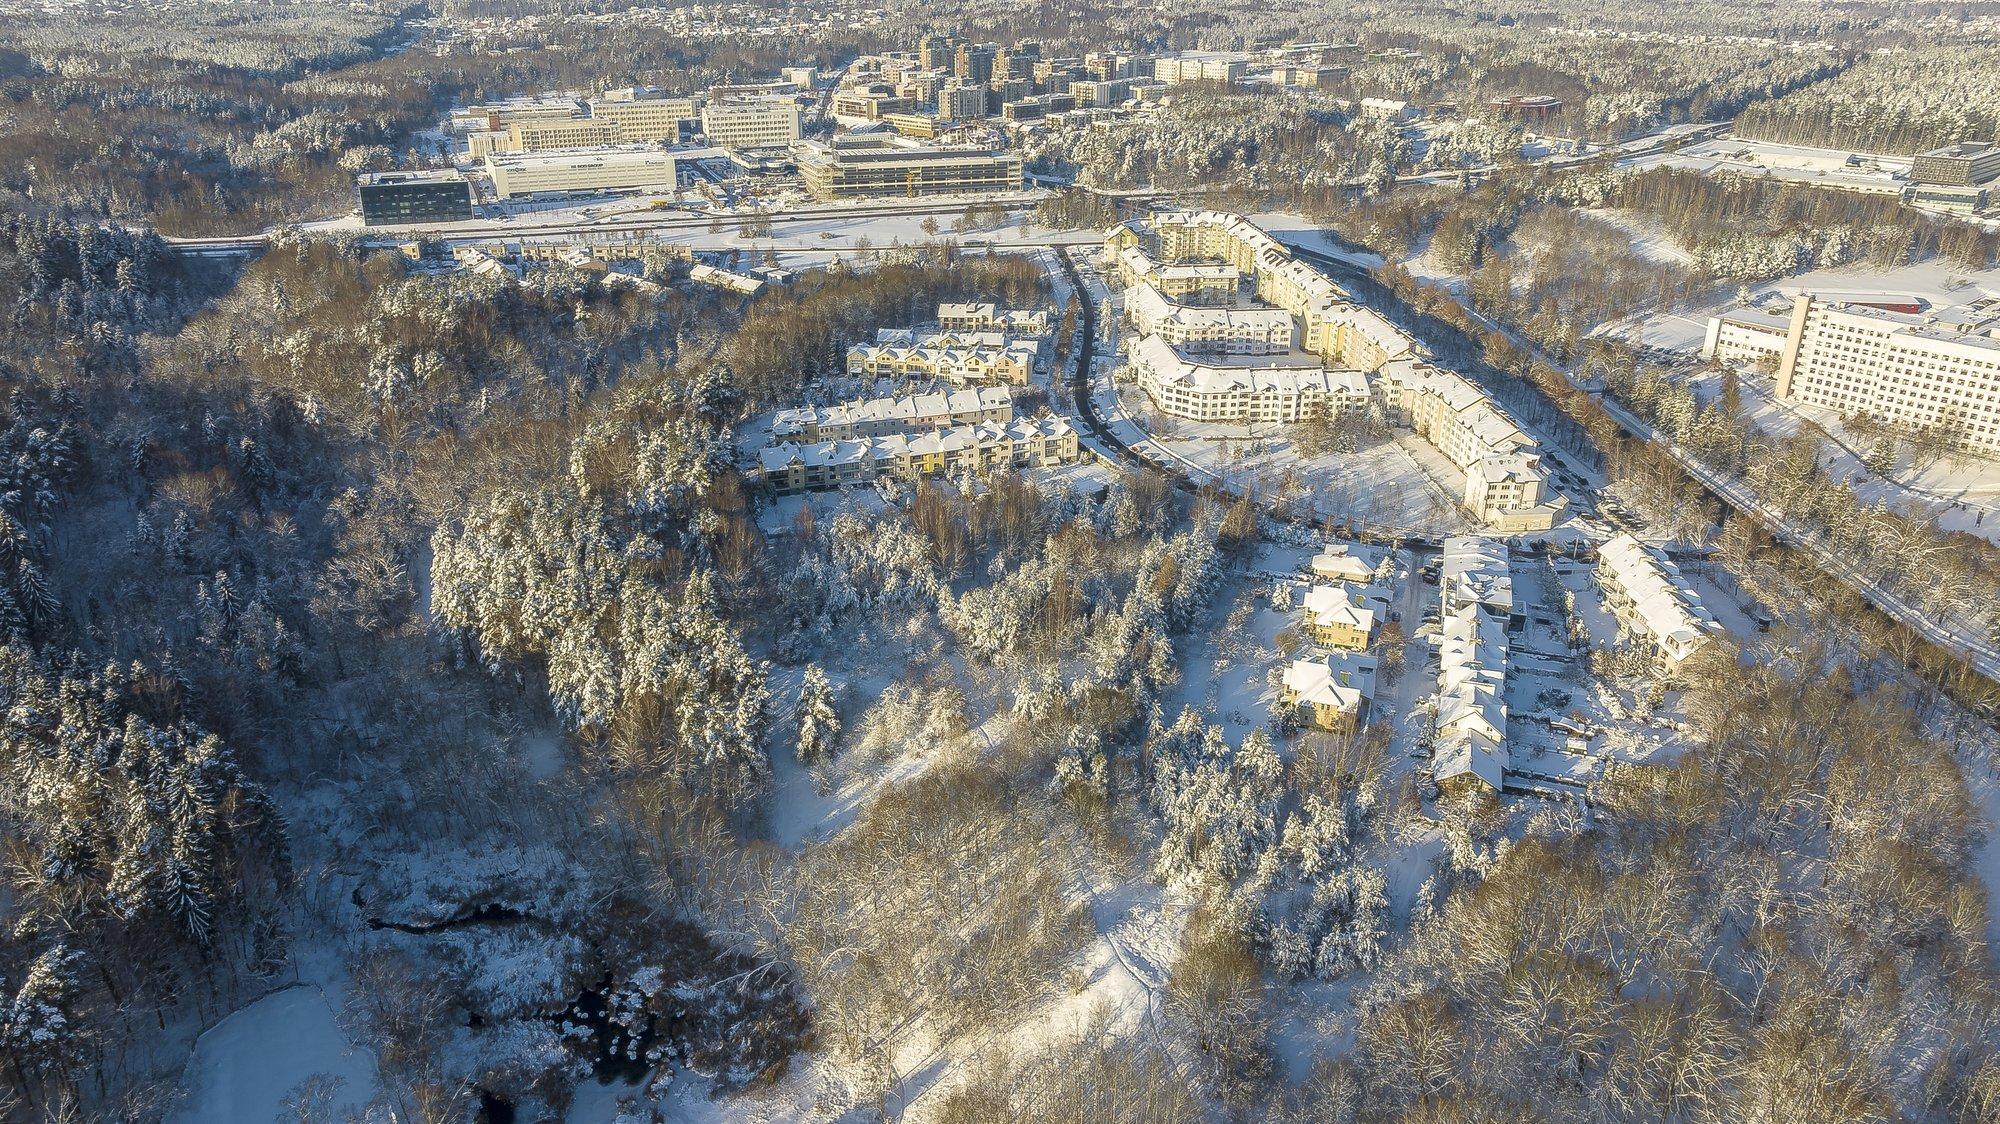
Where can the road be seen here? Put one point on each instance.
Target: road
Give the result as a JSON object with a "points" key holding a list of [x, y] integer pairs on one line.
{"points": [[1977, 651], [486, 230]]}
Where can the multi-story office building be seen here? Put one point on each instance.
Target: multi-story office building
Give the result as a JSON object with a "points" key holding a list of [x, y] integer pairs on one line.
{"points": [[401, 197], [1643, 589], [855, 165], [664, 119], [1957, 165], [496, 116], [601, 169], [575, 132], [1248, 389], [751, 122], [1915, 369]]}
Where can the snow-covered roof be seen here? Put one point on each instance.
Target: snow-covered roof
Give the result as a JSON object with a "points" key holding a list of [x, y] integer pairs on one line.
{"points": [[1670, 614], [1330, 606], [1334, 562]]}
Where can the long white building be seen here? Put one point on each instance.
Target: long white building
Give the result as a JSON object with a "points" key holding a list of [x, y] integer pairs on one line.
{"points": [[1248, 389], [874, 417], [1209, 329], [1469, 749], [961, 449], [957, 357], [594, 169], [1914, 368], [1504, 483], [1643, 589]]}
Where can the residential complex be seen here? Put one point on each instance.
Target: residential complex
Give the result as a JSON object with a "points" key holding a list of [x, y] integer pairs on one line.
{"points": [[1210, 360], [1209, 329], [1249, 389], [964, 431], [1936, 367], [955, 357], [1643, 589], [597, 169], [984, 448], [862, 164], [875, 417], [1469, 753], [988, 317]]}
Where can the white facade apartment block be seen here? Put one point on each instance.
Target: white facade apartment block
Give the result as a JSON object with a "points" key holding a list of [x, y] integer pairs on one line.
{"points": [[874, 417], [1913, 370], [751, 123], [1204, 329], [1644, 590], [1215, 389], [988, 317], [984, 447]]}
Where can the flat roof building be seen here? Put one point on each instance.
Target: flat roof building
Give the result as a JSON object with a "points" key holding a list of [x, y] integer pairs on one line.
{"points": [[576, 132], [856, 165], [1863, 354], [1957, 165], [665, 119], [769, 122], [404, 197], [592, 169]]}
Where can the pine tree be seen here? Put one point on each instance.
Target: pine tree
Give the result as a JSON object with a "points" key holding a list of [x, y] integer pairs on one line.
{"points": [[819, 719]]}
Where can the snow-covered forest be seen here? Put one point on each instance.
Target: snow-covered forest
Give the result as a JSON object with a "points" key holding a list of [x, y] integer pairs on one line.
{"points": [[413, 707]]}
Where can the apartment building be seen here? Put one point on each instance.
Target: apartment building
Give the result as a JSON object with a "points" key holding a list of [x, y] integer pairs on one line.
{"points": [[864, 164], [1909, 368], [981, 449], [1209, 282], [1645, 591], [974, 358], [1245, 389], [1177, 69], [875, 417], [985, 316], [1333, 618], [1469, 754], [602, 169], [1207, 329], [961, 101], [1505, 484], [764, 122]]}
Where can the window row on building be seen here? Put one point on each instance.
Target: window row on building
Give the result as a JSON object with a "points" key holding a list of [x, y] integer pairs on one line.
{"points": [[874, 417], [958, 450]]}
